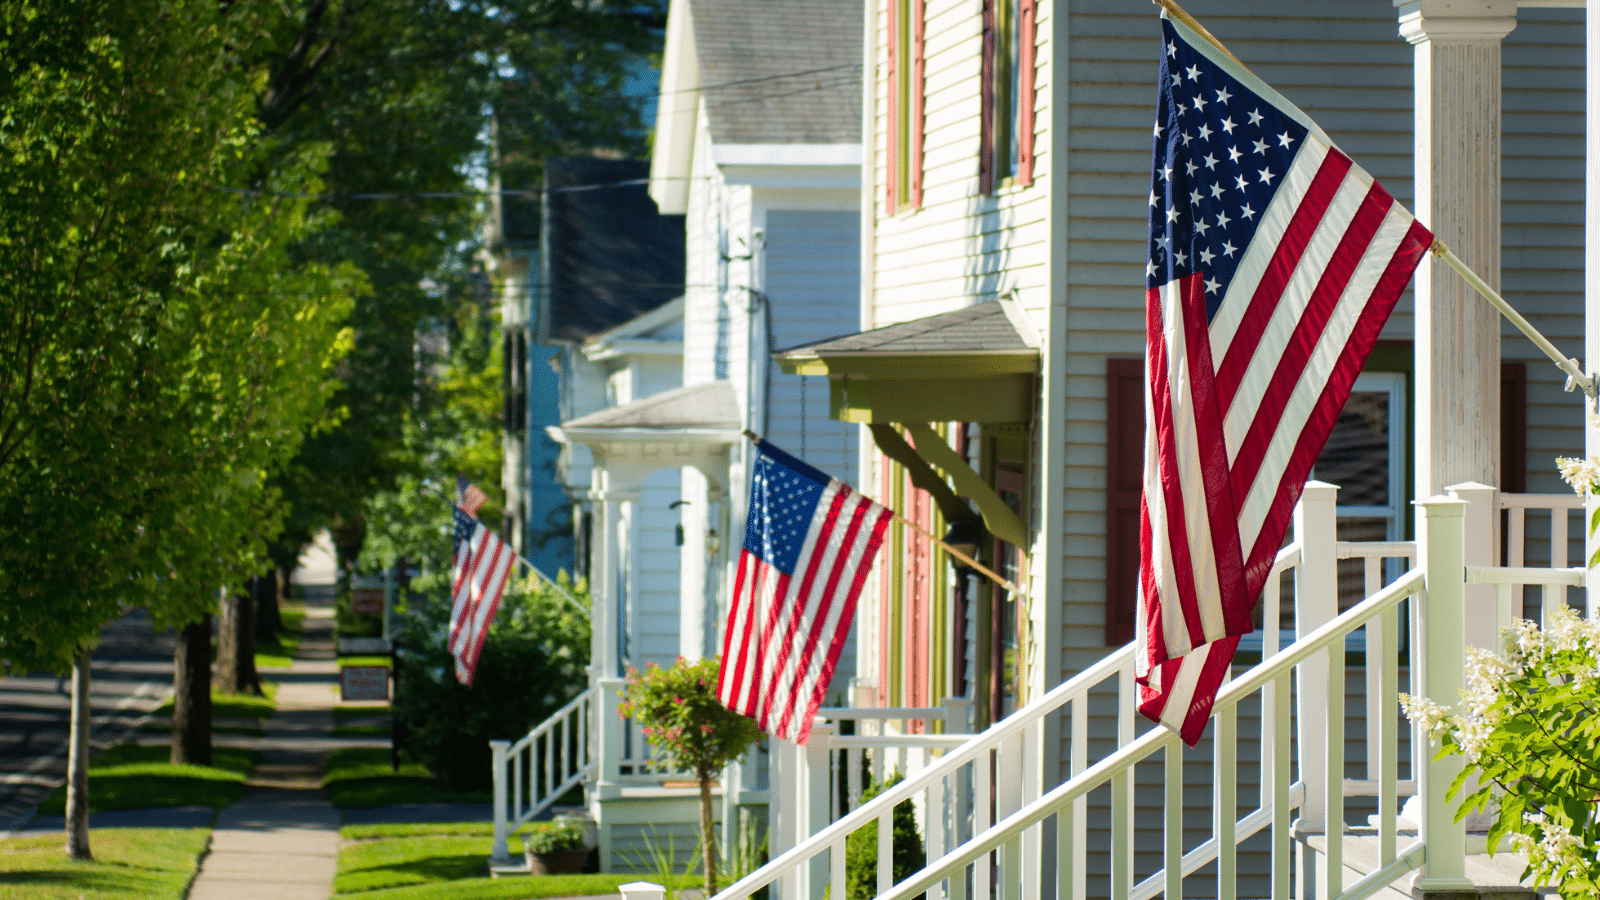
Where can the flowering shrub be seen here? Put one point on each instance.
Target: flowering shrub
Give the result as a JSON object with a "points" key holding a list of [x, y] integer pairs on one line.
{"points": [[682, 717], [1527, 727]]}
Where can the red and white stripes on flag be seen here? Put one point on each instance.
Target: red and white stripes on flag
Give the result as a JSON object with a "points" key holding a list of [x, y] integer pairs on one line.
{"points": [[480, 567], [1274, 263], [809, 542]]}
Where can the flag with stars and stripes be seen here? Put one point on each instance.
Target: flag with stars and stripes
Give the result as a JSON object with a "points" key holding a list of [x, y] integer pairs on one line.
{"points": [[809, 542], [469, 496], [1274, 263], [479, 569]]}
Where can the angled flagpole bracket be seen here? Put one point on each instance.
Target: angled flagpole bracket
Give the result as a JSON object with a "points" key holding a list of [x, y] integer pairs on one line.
{"points": [[1573, 369]]}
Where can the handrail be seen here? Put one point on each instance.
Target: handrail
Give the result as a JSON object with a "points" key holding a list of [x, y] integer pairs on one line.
{"points": [[550, 721], [1571, 576], [1157, 738], [1540, 501], [969, 750], [881, 712]]}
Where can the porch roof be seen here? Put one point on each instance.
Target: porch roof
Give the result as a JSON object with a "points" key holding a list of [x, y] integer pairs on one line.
{"points": [[706, 409], [975, 364], [989, 338]]}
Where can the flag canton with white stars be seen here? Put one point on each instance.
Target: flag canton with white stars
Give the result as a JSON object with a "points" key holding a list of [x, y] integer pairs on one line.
{"points": [[465, 526], [1221, 152], [784, 494]]}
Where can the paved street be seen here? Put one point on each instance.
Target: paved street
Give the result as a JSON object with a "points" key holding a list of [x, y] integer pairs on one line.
{"points": [[132, 673]]}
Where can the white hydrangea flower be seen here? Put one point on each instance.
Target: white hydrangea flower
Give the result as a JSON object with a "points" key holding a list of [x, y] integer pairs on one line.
{"points": [[1428, 715], [1582, 474]]}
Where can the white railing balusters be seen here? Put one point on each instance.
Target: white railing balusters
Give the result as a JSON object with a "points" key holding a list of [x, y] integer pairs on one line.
{"points": [[1334, 781], [518, 794], [1387, 743], [1225, 804], [1172, 820]]}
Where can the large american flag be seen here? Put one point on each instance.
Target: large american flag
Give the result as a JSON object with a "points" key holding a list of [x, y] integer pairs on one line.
{"points": [[479, 569], [1274, 263], [809, 542]]}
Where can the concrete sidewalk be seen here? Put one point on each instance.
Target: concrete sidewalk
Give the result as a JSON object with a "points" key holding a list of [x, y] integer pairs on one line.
{"points": [[280, 841]]}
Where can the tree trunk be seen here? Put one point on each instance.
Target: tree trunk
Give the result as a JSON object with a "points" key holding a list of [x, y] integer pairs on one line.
{"points": [[236, 645], [78, 760], [269, 620], [191, 701], [708, 834]]}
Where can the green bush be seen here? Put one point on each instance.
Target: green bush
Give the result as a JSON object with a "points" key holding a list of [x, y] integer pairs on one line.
{"points": [[532, 664], [861, 847]]}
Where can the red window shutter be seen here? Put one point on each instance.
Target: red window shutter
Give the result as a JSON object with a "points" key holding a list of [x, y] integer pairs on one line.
{"points": [[986, 98], [918, 99], [1124, 480], [885, 588], [917, 602], [891, 131], [1026, 61]]}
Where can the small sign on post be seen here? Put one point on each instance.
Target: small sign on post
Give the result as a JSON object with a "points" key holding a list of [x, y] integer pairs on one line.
{"points": [[364, 683], [366, 601]]}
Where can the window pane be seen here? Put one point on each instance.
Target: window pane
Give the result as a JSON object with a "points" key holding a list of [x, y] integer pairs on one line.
{"points": [[1357, 455]]}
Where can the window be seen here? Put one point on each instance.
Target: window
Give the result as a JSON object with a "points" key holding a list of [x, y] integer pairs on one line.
{"points": [[1006, 123], [905, 112]]}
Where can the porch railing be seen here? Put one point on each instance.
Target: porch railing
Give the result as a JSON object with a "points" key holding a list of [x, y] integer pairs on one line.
{"points": [[1004, 853], [536, 771]]}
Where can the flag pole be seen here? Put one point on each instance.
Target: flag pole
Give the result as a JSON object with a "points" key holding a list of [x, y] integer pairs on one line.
{"points": [[1177, 12], [965, 559], [573, 601], [1574, 371]]}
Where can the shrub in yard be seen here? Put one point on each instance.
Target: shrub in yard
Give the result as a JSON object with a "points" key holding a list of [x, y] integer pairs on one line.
{"points": [[532, 663], [681, 716], [861, 847]]}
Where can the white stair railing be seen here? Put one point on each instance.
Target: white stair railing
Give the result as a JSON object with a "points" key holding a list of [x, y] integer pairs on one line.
{"points": [[1316, 662], [536, 771]]}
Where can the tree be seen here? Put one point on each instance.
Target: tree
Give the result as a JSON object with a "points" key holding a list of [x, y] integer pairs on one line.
{"points": [[682, 717], [403, 92], [164, 347]]}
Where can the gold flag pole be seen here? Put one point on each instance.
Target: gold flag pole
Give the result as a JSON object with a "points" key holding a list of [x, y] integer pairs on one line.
{"points": [[1177, 12], [965, 559]]}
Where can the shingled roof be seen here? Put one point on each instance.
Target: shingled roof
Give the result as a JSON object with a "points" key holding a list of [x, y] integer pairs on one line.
{"points": [[711, 406], [987, 328], [609, 254], [780, 71]]}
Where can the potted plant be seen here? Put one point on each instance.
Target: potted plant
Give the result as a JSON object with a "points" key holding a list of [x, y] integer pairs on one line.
{"points": [[555, 848]]}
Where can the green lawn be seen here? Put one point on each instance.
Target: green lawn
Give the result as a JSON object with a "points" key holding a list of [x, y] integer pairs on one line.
{"points": [[130, 776], [166, 728], [364, 661], [360, 730], [445, 862], [360, 777], [341, 713], [148, 863], [235, 706], [280, 653]]}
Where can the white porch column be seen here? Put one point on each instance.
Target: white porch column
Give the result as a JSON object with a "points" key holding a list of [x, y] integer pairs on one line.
{"points": [[1316, 602], [1457, 165], [1482, 548]]}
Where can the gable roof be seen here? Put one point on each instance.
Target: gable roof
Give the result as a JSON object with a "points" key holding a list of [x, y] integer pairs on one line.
{"points": [[710, 406], [608, 254], [780, 71]]}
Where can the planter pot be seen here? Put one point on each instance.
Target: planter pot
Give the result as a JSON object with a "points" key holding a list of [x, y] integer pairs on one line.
{"points": [[558, 862]]}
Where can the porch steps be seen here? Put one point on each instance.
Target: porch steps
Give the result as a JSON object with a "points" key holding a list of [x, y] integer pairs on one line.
{"points": [[1495, 877]]}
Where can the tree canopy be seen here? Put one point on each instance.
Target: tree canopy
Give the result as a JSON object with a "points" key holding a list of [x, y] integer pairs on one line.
{"points": [[165, 346]]}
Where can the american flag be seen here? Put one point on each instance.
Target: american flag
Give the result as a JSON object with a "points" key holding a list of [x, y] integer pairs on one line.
{"points": [[1274, 263], [469, 496], [809, 542], [480, 567]]}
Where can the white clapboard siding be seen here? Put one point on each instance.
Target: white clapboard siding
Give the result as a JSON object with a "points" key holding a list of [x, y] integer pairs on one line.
{"points": [[813, 271], [653, 561]]}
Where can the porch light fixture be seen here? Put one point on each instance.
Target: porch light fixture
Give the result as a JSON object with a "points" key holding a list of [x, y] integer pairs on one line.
{"points": [[965, 537]]}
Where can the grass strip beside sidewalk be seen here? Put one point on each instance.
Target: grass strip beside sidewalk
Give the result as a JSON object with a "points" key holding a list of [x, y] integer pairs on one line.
{"points": [[280, 653], [361, 777], [132, 776], [148, 863], [446, 861]]}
